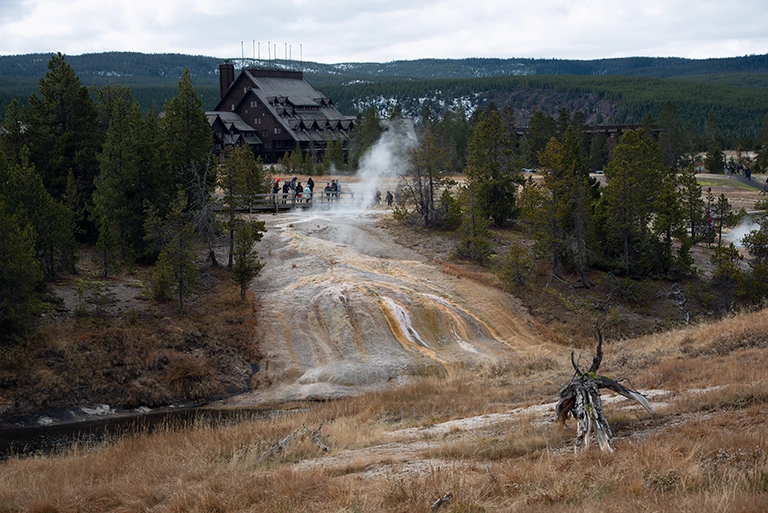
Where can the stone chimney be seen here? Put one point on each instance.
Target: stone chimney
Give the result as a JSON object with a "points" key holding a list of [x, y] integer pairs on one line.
{"points": [[226, 77]]}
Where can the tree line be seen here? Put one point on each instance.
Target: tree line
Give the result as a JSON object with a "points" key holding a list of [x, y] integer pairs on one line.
{"points": [[602, 99], [642, 223], [89, 166]]}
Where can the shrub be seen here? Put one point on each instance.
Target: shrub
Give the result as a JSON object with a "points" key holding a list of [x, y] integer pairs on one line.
{"points": [[191, 378], [516, 267]]}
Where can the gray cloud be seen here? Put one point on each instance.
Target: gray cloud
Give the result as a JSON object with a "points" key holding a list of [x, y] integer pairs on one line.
{"points": [[384, 30]]}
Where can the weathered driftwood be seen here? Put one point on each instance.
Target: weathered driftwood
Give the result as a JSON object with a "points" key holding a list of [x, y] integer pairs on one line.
{"points": [[445, 499], [282, 445], [581, 399]]}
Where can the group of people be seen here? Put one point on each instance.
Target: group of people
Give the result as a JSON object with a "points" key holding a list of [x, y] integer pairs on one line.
{"points": [[389, 198], [332, 190], [293, 190], [740, 170]]}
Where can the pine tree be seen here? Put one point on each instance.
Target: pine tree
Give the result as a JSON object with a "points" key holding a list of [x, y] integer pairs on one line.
{"points": [[120, 191], [762, 148], [693, 203], [714, 160], [670, 139], [174, 235], [516, 266], [565, 213], [333, 159], [756, 242], [297, 160], [188, 142], [491, 176], [728, 280], [51, 220], [20, 272], [246, 264], [12, 133], [156, 178], [187, 136], [64, 136], [724, 216], [633, 179], [669, 224], [597, 151], [107, 248], [366, 132], [541, 128], [240, 177]]}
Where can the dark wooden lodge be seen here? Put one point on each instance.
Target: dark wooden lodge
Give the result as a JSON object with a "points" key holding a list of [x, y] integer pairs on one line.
{"points": [[272, 110]]}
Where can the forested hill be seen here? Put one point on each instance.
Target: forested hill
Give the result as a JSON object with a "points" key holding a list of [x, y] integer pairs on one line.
{"points": [[607, 91], [159, 68]]}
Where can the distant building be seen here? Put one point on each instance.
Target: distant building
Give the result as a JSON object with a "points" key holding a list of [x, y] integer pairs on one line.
{"points": [[272, 110]]}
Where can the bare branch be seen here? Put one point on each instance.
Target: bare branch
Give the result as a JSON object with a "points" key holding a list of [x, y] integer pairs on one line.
{"points": [[581, 399]]}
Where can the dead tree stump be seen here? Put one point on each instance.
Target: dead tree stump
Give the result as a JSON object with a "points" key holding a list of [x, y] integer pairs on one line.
{"points": [[581, 399]]}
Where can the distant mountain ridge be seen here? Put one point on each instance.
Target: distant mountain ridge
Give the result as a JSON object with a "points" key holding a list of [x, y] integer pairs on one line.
{"points": [[155, 68]]}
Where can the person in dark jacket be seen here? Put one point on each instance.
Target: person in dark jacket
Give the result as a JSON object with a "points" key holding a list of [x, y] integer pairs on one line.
{"points": [[286, 188]]}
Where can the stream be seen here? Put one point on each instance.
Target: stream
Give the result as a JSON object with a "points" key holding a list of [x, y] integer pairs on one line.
{"points": [[52, 439]]}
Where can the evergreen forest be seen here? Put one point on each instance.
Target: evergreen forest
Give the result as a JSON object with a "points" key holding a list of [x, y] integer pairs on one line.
{"points": [[511, 195], [93, 166], [606, 91]]}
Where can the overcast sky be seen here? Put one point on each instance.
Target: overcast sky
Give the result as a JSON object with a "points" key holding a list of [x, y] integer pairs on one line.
{"points": [[336, 31]]}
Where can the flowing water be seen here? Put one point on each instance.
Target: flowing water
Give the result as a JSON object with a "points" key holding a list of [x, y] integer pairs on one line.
{"points": [[344, 310]]}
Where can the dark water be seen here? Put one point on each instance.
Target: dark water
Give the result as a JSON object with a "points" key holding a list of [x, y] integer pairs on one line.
{"points": [[54, 439]]}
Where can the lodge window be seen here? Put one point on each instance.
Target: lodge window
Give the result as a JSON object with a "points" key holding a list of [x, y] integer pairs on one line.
{"points": [[265, 133], [278, 130], [256, 121]]}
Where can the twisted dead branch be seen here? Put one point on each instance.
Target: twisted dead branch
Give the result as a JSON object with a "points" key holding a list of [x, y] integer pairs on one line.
{"points": [[301, 433], [675, 293], [581, 399]]}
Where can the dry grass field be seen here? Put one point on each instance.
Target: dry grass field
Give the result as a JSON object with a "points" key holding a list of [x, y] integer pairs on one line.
{"points": [[480, 434], [485, 435]]}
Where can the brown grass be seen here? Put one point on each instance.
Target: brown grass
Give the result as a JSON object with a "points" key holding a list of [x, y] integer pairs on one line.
{"points": [[484, 278], [162, 357], [705, 451]]}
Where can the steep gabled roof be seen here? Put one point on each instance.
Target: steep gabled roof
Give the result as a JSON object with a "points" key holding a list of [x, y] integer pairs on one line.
{"points": [[235, 127], [305, 113]]}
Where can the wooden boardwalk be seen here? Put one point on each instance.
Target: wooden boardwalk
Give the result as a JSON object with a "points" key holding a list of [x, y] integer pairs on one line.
{"points": [[277, 203]]}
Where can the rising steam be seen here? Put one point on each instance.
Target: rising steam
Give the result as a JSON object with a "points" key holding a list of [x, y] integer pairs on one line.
{"points": [[743, 228]]}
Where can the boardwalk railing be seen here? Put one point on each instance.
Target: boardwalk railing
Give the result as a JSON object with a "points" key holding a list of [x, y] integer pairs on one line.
{"points": [[280, 202]]}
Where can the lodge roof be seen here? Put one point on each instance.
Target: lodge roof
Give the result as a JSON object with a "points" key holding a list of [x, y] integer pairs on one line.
{"points": [[305, 113]]}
